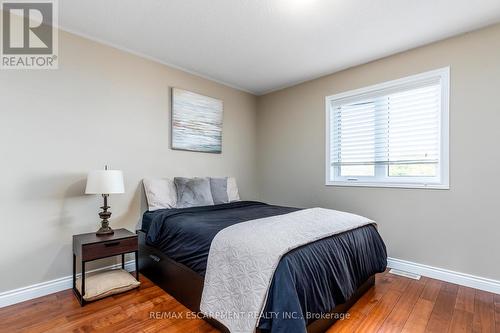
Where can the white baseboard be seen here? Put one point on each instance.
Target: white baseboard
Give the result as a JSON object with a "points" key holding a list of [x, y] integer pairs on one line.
{"points": [[462, 279], [45, 288]]}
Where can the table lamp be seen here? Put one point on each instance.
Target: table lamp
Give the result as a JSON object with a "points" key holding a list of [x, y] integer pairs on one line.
{"points": [[105, 182]]}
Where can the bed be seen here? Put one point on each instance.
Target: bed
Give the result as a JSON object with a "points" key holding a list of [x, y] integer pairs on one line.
{"points": [[311, 284]]}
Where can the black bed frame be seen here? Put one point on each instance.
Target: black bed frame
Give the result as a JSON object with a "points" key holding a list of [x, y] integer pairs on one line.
{"points": [[186, 286]]}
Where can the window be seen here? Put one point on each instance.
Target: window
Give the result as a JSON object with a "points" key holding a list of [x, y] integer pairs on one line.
{"points": [[393, 134]]}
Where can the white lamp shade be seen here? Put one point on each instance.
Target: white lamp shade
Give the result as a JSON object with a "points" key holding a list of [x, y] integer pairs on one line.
{"points": [[105, 182]]}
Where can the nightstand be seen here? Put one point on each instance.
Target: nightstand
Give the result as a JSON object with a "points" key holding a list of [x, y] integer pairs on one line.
{"points": [[89, 247]]}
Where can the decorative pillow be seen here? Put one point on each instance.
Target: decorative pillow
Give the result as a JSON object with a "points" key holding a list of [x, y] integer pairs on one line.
{"points": [[106, 283], [218, 187], [160, 193], [232, 189], [193, 192]]}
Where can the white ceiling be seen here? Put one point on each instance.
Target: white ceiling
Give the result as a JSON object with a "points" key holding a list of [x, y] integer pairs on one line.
{"points": [[264, 45]]}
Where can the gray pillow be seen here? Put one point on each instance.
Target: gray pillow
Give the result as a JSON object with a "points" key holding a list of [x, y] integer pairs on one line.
{"points": [[218, 186], [193, 192]]}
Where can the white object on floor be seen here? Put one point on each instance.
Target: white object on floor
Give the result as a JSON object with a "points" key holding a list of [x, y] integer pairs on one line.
{"points": [[244, 256], [405, 274]]}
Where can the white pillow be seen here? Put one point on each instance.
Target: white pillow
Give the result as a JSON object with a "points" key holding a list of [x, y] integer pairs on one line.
{"points": [[232, 189], [160, 193]]}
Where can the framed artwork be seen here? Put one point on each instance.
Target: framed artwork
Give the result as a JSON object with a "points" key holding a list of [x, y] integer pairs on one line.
{"points": [[196, 122]]}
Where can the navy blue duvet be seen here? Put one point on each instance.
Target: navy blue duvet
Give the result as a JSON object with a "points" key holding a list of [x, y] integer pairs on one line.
{"points": [[309, 281]]}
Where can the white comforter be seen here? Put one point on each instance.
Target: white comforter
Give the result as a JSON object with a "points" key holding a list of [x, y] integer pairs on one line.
{"points": [[244, 256]]}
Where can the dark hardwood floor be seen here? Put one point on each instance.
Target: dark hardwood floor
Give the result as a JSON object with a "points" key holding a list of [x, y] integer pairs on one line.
{"points": [[395, 304]]}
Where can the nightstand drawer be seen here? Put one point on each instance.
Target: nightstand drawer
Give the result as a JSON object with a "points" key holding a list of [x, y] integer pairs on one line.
{"points": [[110, 248]]}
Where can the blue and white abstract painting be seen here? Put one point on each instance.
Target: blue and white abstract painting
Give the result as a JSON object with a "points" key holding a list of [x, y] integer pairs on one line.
{"points": [[196, 122]]}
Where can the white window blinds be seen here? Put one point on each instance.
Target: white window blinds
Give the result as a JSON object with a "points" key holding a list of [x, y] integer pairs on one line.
{"points": [[394, 128], [390, 133]]}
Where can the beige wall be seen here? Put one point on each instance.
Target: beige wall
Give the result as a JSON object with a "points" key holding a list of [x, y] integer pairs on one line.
{"points": [[107, 106], [457, 229], [101, 106]]}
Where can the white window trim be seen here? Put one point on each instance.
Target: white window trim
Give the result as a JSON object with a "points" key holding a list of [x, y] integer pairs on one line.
{"points": [[444, 74]]}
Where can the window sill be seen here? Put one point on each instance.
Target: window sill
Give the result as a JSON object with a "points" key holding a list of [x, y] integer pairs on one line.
{"points": [[389, 185]]}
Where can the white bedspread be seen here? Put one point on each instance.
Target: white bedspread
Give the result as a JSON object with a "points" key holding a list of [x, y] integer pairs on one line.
{"points": [[244, 256]]}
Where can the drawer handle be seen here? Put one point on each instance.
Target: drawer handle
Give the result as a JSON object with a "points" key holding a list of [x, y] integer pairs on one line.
{"points": [[155, 258], [111, 244]]}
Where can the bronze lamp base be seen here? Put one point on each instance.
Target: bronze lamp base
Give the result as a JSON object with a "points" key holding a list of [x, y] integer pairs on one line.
{"points": [[105, 229]]}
